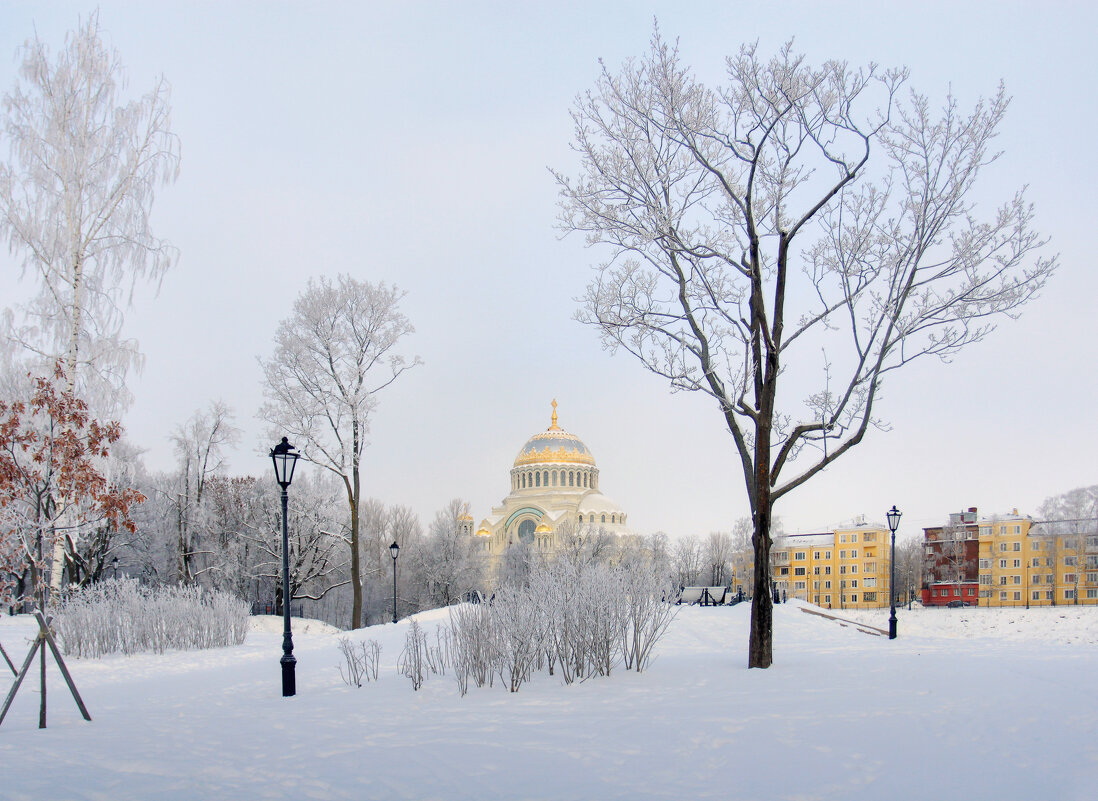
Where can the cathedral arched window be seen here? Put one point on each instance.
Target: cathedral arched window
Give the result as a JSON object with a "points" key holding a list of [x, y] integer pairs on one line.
{"points": [[537, 479], [612, 520], [545, 480], [584, 479], [604, 518], [554, 478], [571, 479]]}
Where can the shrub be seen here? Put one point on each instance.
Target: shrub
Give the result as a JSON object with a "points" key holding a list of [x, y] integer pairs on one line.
{"points": [[122, 615]]}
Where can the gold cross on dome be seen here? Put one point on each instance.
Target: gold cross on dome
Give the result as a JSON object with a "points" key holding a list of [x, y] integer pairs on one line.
{"points": [[554, 413]]}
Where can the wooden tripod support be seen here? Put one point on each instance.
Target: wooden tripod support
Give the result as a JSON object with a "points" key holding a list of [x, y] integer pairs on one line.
{"points": [[43, 639]]}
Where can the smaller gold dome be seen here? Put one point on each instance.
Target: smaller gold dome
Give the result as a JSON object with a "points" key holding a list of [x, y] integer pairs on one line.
{"points": [[543, 529]]}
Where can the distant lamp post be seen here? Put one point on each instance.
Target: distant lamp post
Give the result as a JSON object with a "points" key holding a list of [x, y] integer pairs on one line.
{"points": [[284, 463], [114, 566], [394, 551], [894, 515]]}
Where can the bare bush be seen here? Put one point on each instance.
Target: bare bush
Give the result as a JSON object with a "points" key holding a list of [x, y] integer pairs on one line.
{"points": [[360, 661]]}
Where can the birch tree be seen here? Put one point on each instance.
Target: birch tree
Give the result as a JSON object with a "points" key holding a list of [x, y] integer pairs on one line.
{"points": [[75, 199], [784, 242], [333, 355]]}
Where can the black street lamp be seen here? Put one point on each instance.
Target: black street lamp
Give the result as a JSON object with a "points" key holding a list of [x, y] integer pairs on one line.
{"points": [[394, 551], [284, 462], [114, 566], [893, 524]]}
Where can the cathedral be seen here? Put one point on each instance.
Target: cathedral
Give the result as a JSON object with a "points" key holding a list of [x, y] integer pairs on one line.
{"points": [[554, 482]]}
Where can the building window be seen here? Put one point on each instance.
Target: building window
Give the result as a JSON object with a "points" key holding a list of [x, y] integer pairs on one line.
{"points": [[1002, 546], [869, 536], [1018, 596], [842, 538], [1092, 578], [604, 518], [799, 555], [799, 571], [827, 586], [854, 583], [1017, 546], [985, 578], [1069, 578], [827, 600], [1002, 596], [854, 554], [1036, 561], [1036, 595], [1017, 579], [1002, 564], [1017, 563], [853, 568], [1070, 561], [869, 582], [854, 598], [827, 570], [869, 597], [1069, 595], [985, 564], [537, 479], [1092, 593], [1002, 579]]}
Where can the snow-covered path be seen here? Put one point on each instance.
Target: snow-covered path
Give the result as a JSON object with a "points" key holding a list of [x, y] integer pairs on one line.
{"points": [[934, 714]]}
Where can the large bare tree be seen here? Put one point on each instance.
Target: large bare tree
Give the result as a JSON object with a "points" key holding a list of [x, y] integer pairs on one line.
{"points": [[75, 198], [332, 356], [783, 242]]}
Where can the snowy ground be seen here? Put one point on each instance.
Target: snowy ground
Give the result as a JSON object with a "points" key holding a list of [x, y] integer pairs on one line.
{"points": [[966, 704]]}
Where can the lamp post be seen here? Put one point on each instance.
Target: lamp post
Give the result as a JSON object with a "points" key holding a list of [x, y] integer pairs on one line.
{"points": [[284, 462], [394, 551], [114, 567], [893, 524]]}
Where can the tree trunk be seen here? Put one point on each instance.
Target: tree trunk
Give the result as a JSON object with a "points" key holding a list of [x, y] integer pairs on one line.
{"points": [[356, 565], [761, 648]]}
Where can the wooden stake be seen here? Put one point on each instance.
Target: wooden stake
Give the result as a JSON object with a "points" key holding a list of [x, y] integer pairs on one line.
{"points": [[43, 639]]}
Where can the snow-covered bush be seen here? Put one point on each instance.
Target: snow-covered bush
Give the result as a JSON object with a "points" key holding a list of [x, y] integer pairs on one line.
{"points": [[122, 615], [420, 657], [472, 649], [580, 619]]}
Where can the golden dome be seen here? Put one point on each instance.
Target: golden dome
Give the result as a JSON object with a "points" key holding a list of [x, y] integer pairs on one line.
{"points": [[554, 446], [483, 532], [543, 529]]}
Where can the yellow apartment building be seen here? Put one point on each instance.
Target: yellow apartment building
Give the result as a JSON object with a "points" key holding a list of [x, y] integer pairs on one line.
{"points": [[1037, 563], [847, 568]]}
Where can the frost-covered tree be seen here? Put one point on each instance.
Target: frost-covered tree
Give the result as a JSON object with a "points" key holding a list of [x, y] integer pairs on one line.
{"points": [[75, 199], [785, 241], [449, 564], [200, 445], [316, 533], [333, 355]]}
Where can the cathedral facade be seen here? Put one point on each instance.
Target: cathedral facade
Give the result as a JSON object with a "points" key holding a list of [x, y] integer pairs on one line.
{"points": [[554, 483]]}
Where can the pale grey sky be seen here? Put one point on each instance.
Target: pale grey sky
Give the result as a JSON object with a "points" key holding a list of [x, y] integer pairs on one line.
{"points": [[409, 142]]}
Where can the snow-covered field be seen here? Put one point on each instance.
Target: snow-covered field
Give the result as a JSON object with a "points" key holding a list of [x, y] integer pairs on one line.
{"points": [[966, 704]]}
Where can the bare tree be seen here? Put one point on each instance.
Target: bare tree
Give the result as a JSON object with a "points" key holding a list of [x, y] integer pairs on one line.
{"points": [[718, 557], [748, 229], [75, 200], [688, 561], [334, 354]]}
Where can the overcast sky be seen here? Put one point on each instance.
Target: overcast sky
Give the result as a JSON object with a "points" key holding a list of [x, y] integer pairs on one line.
{"points": [[410, 143]]}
